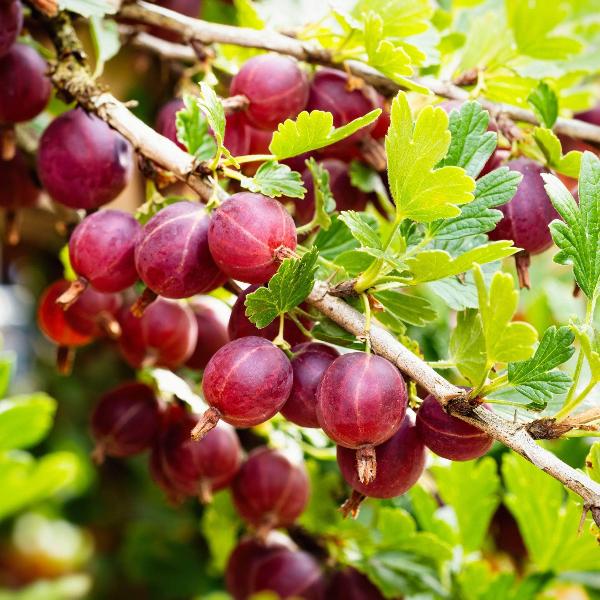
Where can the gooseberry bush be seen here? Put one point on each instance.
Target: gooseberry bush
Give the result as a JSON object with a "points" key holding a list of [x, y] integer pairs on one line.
{"points": [[345, 276]]}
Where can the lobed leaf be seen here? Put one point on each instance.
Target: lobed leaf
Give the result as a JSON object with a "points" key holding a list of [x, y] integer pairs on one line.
{"points": [[544, 103], [467, 346], [274, 179], [192, 130], [413, 149], [287, 289]]}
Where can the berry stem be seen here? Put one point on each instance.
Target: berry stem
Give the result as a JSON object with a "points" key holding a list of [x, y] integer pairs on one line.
{"points": [[366, 464], [72, 293], [109, 325], [351, 507], [205, 494], [207, 421], [522, 262], [64, 359], [11, 227], [143, 302]]}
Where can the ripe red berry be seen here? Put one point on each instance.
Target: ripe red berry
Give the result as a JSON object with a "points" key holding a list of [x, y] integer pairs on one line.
{"points": [[309, 363], [82, 162], [52, 322], [496, 160], [448, 436], [246, 382], [350, 584], [249, 234], [248, 553], [198, 468], [11, 21], [211, 317], [270, 490], [125, 421], [527, 216], [347, 197], [382, 124], [164, 336], [18, 191], [591, 115], [289, 575], [400, 463], [361, 403], [95, 313], [165, 120], [101, 250], [276, 87], [25, 86], [172, 256], [330, 91], [241, 326]]}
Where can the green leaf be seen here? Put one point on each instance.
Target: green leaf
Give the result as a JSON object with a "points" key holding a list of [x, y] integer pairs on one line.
{"points": [[473, 504], [287, 289], [544, 103], [192, 130], [548, 519], [549, 144], [364, 177], [467, 346], [336, 240], [578, 235], [220, 525], [247, 14], [327, 330], [471, 144], [90, 8], [25, 420], [274, 180], [401, 19], [592, 462], [25, 481], [106, 41], [324, 200], [431, 265], [7, 363], [505, 341], [413, 149], [494, 189], [406, 308], [535, 378], [361, 229], [587, 338], [314, 130], [65, 258], [383, 55], [213, 109]]}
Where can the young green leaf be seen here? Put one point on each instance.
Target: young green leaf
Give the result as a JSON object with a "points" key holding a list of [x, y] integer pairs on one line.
{"points": [[383, 55], [274, 179], [25, 420], [400, 19], [473, 504], [286, 289], [505, 340], [471, 144], [213, 109], [544, 103], [413, 149], [535, 377], [192, 130], [549, 144], [314, 130], [247, 14], [336, 240], [588, 340], [578, 234], [494, 189], [431, 265], [361, 229], [467, 346], [404, 308], [548, 520], [106, 40], [324, 200]]}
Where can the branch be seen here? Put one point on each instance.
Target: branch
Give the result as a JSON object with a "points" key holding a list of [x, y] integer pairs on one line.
{"points": [[264, 39], [164, 152], [72, 77], [514, 436]]}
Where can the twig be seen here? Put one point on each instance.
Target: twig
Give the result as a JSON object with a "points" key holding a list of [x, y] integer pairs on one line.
{"points": [[151, 144], [209, 33], [514, 436], [71, 76]]}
